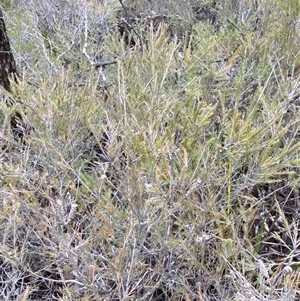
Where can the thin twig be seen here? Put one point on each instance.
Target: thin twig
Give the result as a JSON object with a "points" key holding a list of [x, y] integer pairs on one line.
{"points": [[105, 63], [130, 23], [84, 51]]}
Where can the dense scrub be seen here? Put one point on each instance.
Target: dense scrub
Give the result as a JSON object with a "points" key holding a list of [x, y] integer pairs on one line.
{"points": [[162, 158]]}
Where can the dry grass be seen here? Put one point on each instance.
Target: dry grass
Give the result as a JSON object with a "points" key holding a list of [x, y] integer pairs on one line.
{"points": [[171, 174]]}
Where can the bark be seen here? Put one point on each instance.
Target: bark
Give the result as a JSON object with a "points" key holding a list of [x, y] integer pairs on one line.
{"points": [[8, 68]]}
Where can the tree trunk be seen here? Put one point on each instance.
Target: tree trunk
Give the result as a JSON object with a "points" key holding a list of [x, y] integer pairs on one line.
{"points": [[8, 68], [8, 72]]}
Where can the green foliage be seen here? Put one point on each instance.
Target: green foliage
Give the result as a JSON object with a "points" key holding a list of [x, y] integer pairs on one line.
{"points": [[173, 172]]}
